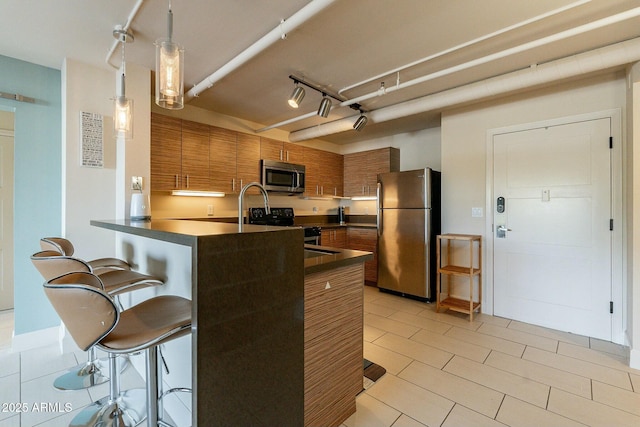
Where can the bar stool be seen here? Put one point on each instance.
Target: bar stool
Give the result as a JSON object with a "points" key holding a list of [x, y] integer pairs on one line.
{"points": [[93, 319], [65, 247], [51, 264]]}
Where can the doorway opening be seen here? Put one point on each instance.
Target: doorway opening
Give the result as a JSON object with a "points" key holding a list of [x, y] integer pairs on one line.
{"points": [[6, 226]]}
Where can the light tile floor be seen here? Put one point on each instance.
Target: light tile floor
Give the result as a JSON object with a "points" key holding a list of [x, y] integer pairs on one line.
{"points": [[442, 370]]}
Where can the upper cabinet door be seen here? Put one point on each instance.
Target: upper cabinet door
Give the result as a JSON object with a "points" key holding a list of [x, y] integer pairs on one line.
{"points": [[195, 156], [271, 149], [166, 152], [247, 161], [222, 159]]}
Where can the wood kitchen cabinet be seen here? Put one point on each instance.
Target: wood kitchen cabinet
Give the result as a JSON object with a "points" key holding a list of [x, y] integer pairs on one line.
{"points": [[323, 173], [361, 170], [195, 156], [271, 149], [247, 161], [222, 159], [365, 239], [333, 347], [166, 152], [179, 154], [336, 237]]}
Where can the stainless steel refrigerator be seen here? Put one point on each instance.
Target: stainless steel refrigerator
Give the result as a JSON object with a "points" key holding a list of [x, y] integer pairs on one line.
{"points": [[408, 223]]}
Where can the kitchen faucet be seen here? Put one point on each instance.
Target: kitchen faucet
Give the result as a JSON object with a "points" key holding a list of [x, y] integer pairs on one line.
{"points": [[241, 201]]}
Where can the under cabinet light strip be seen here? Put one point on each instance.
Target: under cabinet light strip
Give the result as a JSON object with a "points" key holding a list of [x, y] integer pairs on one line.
{"points": [[197, 193], [17, 97]]}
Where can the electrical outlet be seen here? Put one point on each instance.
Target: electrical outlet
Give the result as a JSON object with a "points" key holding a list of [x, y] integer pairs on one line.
{"points": [[136, 183], [210, 210], [477, 213]]}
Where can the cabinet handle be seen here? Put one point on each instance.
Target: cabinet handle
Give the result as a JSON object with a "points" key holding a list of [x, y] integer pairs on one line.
{"points": [[287, 155], [363, 190], [187, 179], [281, 158], [317, 190], [177, 182], [233, 185]]}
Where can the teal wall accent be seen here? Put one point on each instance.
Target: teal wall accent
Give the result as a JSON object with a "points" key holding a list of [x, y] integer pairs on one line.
{"points": [[37, 181]]}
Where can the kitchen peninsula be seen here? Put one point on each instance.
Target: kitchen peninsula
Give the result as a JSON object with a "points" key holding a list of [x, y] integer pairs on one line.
{"points": [[262, 306]]}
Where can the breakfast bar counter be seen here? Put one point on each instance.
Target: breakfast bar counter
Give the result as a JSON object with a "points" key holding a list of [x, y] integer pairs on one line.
{"points": [[247, 288], [248, 343]]}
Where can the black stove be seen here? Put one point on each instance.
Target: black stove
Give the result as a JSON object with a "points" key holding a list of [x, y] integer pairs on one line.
{"points": [[283, 217], [278, 216]]}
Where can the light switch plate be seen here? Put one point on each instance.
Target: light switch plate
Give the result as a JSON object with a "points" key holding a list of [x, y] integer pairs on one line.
{"points": [[136, 183], [477, 212]]}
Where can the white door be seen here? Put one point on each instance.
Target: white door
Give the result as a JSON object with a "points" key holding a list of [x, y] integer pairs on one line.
{"points": [[6, 222], [552, 238]]}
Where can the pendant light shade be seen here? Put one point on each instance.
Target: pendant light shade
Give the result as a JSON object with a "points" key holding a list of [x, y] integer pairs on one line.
{"points": [[122, 106], [296, 97], [360, 122], [123, 117], [325, 106], [169, 70]]}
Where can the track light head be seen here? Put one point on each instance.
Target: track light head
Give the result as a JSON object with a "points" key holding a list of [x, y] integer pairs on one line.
{"points": [[325, 106], [296, 97], [360, 122]]}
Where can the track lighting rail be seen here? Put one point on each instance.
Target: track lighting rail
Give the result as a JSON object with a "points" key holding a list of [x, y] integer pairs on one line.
{"points": [[324, 92]]}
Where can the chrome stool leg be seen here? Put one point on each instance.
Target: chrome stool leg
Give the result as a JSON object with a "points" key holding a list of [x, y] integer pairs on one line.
{"points": [[83, 376], [155, 408], [119, 409]]}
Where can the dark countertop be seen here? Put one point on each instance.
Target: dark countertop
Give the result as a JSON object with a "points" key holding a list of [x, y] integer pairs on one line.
{"points": [[185, 232], [326, 221], [325, 258], [181, 231]]}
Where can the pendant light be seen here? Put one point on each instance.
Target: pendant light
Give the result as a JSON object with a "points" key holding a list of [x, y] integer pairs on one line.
{"points": [[169, 70], [123, 106]]}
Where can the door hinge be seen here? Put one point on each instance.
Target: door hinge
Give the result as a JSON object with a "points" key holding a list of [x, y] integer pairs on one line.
{"points": [[611, 307], [611, 224], [611, 142]]}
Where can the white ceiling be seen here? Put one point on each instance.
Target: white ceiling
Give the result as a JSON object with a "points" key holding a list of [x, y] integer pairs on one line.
{"points": [[348, 42]]}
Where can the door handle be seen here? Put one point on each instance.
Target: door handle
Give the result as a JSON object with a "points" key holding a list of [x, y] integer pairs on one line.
{"points": [[501, 231]]}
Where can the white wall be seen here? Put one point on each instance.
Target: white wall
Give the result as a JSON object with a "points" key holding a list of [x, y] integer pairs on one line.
{"points": [[100, 193], [464, 144], [418, 149], [633, 215], [464, 134]]}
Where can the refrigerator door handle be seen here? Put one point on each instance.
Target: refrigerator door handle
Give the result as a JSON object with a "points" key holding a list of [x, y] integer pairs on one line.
{"points": [[379, 211]]}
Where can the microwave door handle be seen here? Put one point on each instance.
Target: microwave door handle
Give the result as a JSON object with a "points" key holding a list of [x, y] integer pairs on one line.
{"points": [[297, 179]]}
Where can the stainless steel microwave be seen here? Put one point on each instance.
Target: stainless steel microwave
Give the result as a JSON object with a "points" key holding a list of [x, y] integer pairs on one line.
{"points": [[280, 176]]}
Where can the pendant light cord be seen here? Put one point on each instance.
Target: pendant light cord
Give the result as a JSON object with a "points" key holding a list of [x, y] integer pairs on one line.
{"points": [[124, 70], [170, 23]]}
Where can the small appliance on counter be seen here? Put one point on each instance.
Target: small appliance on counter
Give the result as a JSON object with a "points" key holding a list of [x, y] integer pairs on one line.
{"points": [[341, 217], [140, 207]]}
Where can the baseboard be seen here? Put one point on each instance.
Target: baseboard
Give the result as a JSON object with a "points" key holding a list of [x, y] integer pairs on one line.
{"points": [[36, 339]]}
